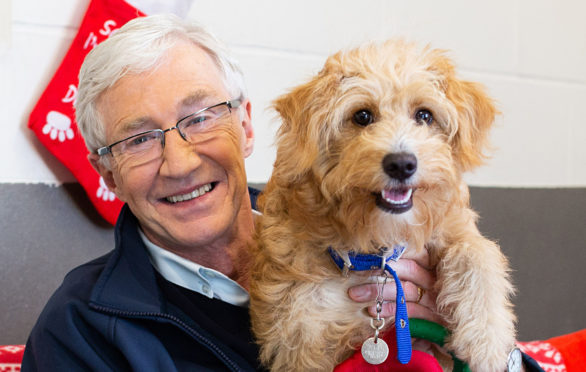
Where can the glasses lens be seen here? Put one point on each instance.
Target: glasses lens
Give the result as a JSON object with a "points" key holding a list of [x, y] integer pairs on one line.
{"points": [[205, 124], [139, 149]]}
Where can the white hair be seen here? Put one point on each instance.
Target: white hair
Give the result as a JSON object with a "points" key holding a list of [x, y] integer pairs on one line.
{"points": [[136, 47]]}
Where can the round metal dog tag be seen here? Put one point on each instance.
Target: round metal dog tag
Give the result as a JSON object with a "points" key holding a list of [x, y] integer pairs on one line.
{"points": [[375, 352]]}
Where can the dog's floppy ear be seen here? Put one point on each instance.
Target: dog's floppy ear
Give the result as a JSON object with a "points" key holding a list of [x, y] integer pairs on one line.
{"points": [[475, 116], [303, 111]]}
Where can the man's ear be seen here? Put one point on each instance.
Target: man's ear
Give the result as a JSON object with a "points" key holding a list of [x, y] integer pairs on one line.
{"points": [[104, 171], [246, 122]]}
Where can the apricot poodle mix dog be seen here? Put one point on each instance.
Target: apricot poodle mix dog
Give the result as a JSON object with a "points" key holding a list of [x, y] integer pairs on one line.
{"points": [[370, 154]]}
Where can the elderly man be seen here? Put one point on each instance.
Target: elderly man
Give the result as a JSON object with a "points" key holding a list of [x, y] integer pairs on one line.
{"points": [[164, 112]]}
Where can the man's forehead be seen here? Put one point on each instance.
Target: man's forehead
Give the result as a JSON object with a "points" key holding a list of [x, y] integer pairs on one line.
{"points": [[186, 79], [193, 101], [198, 97]]}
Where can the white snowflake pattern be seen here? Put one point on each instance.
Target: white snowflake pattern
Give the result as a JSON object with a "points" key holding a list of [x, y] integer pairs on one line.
{"points": [[104, 193], [545, 354], [12, 349], [10, 367], [58, 126]]}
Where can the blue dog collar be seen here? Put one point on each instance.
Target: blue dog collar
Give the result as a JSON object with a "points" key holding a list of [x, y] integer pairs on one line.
{"points": [[363, 262]]}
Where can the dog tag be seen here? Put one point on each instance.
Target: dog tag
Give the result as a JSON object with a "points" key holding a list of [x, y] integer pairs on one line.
{"points": [[375, 352]]}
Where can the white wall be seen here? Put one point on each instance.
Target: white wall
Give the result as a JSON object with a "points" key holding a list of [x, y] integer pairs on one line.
{"points": [[531, 54]]}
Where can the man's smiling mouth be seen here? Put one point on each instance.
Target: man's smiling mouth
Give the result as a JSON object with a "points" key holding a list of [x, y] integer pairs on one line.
{"points": [[192, 195]]}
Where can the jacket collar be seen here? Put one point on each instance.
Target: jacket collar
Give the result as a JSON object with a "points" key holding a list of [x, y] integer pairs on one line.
{"points": [[128, 282]]}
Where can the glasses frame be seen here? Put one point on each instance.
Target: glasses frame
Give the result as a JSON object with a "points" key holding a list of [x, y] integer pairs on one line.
{"points": [[232, 104]]}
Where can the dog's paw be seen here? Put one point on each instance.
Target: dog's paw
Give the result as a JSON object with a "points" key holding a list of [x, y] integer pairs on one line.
{"points": [[483, 350]]}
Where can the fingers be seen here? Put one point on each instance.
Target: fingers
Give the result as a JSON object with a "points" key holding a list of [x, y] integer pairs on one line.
{"points": [[419, 304], [412, 276], [413, 309], [418, 284], [365, 292], [419, 295], [421, 301], [413, 293], [410, 271]]}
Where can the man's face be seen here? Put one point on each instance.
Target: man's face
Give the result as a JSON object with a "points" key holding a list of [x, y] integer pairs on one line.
{"points": [[187, 81]]}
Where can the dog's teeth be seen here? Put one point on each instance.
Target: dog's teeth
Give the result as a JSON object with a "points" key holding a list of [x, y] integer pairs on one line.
{"points": [[395, 196]]}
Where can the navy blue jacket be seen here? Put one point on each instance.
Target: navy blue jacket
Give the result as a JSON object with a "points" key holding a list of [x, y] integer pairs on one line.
{"points": [[110, 315]]}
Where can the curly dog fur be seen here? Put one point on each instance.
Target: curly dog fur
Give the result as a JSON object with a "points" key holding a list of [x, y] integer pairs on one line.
{"points": [[370, 154]]}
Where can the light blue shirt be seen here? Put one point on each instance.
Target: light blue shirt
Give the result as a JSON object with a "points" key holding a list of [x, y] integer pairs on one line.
{"points": [[198, 278]]}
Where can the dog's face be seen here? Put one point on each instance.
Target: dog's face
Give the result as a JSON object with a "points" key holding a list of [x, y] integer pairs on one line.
{"points": [[384, 132]]}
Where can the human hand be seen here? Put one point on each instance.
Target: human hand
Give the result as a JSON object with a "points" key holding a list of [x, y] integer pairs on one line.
{"points": [[418, 285]]}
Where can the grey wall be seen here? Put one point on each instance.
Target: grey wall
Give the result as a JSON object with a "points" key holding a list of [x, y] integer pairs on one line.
{"points": [[543, 232], [45, 231]]}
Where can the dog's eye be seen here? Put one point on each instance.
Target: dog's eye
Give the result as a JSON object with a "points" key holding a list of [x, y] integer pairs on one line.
{"points": [[424, 116], [363, 117]]}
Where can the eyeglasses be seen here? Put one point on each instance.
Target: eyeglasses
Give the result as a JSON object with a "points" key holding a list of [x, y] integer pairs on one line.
{"points": [[196, 128]]}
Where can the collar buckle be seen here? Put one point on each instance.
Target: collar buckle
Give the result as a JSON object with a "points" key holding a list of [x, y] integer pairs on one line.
{"points": [[346, 269]]}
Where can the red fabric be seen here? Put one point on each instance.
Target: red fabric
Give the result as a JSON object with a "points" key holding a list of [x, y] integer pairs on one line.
{"points": [[11, 357], [420, 361], [572, 347], [566, 353], [545, 354], [53, 117]]}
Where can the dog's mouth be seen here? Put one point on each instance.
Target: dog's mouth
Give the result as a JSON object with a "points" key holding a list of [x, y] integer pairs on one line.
{"points": [[395, 200]]}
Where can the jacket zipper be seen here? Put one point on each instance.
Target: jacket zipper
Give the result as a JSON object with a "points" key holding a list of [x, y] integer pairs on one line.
{"points": [[130, 314]]}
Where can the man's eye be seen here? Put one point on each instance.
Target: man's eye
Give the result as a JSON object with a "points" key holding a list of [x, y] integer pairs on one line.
{"points": [[141, 140], [198, 121]]}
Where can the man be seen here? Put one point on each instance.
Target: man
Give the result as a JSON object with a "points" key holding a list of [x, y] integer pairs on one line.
{"points": [[166, 119], [165, 115]]}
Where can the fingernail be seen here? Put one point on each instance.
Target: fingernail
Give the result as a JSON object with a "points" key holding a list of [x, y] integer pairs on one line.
{"points": [[357, 294]]}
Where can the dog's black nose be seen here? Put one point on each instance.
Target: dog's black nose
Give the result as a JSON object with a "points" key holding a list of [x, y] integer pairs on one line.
{"points": [[400, 166]]}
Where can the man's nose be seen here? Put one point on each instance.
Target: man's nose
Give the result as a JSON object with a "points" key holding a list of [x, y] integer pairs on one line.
{"points": [[179, 156]]}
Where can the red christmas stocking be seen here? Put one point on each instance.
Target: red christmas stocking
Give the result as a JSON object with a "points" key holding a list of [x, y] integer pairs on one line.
{"points": [[53, 118]]}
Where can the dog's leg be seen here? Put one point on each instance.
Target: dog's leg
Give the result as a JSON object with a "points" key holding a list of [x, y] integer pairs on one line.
{"points": [[312, 327], [474, 296]]}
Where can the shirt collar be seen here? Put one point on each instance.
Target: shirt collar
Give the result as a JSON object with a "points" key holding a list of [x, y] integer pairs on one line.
{"points": [[188, 274]]}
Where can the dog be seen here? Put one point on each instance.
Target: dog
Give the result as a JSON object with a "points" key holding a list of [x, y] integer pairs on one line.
{"points": [[370, 154]]}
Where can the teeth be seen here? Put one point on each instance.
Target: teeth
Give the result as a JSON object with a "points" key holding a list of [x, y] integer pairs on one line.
{"points": [[405, 196], [192, 195]]}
